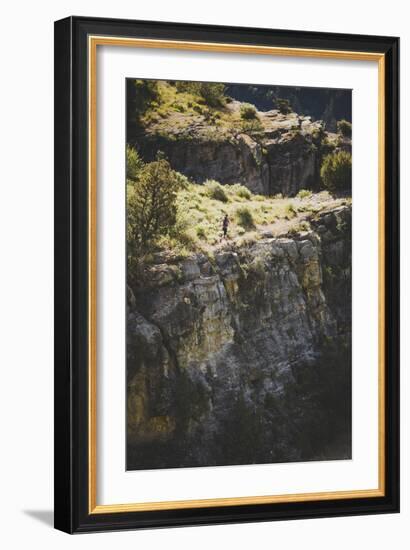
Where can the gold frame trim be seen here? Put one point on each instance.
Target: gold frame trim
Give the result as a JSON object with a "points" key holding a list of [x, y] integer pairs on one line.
{"points": [[93, 42]]}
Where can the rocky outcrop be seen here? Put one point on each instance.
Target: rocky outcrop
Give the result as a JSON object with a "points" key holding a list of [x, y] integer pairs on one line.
{"points": [[329, 105], [283, 156], [246, 357]]}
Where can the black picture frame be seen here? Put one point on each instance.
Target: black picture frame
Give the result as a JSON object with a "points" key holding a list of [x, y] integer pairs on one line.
{"points": [[71, 490]]}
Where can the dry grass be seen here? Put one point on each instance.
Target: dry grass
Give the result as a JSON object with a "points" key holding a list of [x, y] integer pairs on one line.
{"points": [[200, 215], [178, 110]]}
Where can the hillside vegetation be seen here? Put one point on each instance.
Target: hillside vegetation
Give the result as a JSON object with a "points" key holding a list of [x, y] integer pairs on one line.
{"points": [[192, 220], [172, 206], [238, 346]]}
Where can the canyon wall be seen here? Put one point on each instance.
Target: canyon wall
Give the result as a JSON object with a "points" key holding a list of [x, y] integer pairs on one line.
{"points": [[243, 357], [283, 156]]}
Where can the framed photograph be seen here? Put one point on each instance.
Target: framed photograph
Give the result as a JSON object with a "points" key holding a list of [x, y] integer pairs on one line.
{"points": [[226, 274]]}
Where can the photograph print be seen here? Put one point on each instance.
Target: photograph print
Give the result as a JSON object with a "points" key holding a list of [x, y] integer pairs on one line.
{"points": [[239, 205]]}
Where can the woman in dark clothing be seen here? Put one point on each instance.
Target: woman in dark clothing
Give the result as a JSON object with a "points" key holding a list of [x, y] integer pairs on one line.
{"points": [[225, 225]]}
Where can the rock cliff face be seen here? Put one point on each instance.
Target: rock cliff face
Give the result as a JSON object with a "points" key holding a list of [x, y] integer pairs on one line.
{"points": [[325, 104], [245, 358], [284, 156]]}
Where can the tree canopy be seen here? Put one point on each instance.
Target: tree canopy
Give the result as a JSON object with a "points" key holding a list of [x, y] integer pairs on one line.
{"points": [[336, 171], [151, 203]]}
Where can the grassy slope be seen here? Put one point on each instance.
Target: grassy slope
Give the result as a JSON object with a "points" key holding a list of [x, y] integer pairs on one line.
{"points": [[200, 213], [171, 101], [199, 226], [179, 112]]}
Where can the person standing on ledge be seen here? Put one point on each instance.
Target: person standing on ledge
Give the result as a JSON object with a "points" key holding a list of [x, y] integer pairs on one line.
{"points": [[225, 225]]}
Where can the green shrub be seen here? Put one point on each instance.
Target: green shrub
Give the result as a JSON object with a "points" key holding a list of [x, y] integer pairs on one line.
{"points": [[207, 114], [304, 193], [151, 117], [134, 163], [183, 86], [215, 190], [151, 206], [146, 92], [304, 226], [284, 106], [181, 179], [344, 128], [241, 191], [200, 232], [319, 135], [244, 217], [178, 107], [251, 126], [290, 211], [213, 93], [327, 146], [299, 228], [248, 111], [293, 231], [336, 171]]}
